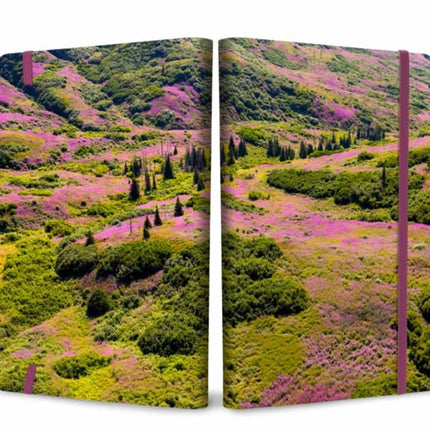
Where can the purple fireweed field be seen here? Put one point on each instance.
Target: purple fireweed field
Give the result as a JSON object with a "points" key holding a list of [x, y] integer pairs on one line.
{"points": [[105, 184], [334, 336]]}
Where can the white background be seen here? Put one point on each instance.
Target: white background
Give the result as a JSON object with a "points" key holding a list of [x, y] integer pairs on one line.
{"points": [[42, 24]]}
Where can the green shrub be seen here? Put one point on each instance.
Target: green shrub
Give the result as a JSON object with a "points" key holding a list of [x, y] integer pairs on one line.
{"points": [[80, 365], [254, 136], [31, 291], [419, 353], [419, 207], [131, 301], [257, 268], [246, 301], [134, 260], [264, 247], [59, 227], [76, 260], [8, 220], [231, 202], [98, 304], [257, 195], [168, 336], [167, 120], [250, 289], [364, 156], [369, 190], [148, 135], [105, 333]]}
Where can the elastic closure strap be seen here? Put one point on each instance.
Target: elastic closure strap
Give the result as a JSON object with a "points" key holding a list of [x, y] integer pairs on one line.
{"points": [[27, 68], [29, 379], [402, 359]]}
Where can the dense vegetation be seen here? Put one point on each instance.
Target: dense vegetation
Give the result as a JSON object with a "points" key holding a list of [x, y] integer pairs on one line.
{"points": [[369, 190], [250, 283], [79, 366], [185, 283]]}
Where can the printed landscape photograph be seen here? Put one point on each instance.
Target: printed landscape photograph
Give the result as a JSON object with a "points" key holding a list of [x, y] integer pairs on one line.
{"points": [[309, 159], [104, 222]]}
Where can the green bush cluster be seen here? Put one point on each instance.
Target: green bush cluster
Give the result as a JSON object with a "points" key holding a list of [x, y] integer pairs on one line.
{"points": [[8, 219], [185, 285], [419, 207], [250, 286], [419, 336], [369, 190], [98, 304], [76, 260], [133, 260], [78, 366], [32, 292], [9, 155], [168, 336], [257, 195], [46, 89], [59, 227]]}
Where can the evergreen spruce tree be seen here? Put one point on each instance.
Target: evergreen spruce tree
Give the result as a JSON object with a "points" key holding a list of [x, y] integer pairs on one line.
{"points": [[302, 150], [232, 150], [292, 154], [125, 170], [309, 149], [242, 151], [188, 160], [157, 218], [90, 240], [135, 167], [283, 155], [222, 154], [195, 177], [200, 184], [349, 140], [154, 182], [134, 193], [231, 159], [147, 183], [147, 224], [146, 234], [333, 138], [179, 210], [175, 151], [168, 169], [320, 145], [194, 157], [270, 149], [276, 147]]}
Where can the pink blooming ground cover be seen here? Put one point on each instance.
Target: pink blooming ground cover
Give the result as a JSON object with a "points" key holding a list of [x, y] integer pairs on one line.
{"points": [[332, 112], [38, 68], [13, 116], [192, 222], [92, 191], [177, 101]]}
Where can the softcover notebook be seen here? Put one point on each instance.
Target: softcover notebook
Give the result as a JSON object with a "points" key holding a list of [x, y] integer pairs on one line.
{"points": [[104, 222], [313, 248]]}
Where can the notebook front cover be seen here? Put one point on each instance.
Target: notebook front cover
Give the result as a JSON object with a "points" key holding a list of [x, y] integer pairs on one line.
{"points": [[104, 222], [309, 152]]}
